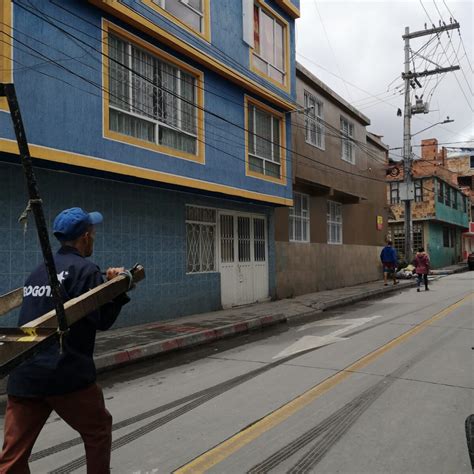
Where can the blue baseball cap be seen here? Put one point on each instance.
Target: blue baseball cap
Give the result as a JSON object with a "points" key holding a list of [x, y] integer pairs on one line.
{"points": [[72, 223]]}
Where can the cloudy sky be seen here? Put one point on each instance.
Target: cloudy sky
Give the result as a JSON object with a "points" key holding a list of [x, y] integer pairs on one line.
{"points": [[356, 48]]}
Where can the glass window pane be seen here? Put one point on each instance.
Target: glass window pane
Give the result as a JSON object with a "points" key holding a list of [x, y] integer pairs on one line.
{"points": [[131, 126], [184, 13], [276, 140], [256, 164], [263, 129], [266, 37], [279, 49], [118, 74], [272, 169]]}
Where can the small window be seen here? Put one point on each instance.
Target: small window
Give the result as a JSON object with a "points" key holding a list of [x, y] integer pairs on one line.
{"points": [[188, 11], [418, 190], [395, 193], [417, 236], [440, 191], [269, 45], [455, 199], [314, 128], [299, 218], [464, 203], [348, 149], [200, 239], [447, 196], [264, 142], [334, 222], [471, 161]]}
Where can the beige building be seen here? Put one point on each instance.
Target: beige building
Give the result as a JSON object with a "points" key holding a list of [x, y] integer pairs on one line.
{"points": [[333, 234]]}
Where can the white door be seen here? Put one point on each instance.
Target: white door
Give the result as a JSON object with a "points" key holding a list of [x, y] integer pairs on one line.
{"points": [[242, 258]]}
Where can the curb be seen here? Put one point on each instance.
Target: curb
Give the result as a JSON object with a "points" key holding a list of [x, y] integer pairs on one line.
{"points": [[112, 360]]}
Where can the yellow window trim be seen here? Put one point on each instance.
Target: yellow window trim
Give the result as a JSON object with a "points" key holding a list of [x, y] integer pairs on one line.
{"points": [[206, 34], [288, 7], [108, 27], [283, 178], [6, 47], [129, 16], [286, 28], [90, 162]]}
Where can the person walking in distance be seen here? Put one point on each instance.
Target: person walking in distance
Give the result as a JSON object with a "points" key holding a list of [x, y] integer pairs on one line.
{"points": [[422, 268], [62, 380], [389, 260]]}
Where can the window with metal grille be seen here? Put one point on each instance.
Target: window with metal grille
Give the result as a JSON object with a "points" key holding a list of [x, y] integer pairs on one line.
{"points": [[299, 218], [417, 236], [314, 128], [348, 149], [150, 99], [334, 222], [269, 45], [418, 190], [188, 11], [259, 241], [395, 193], [398, 239], [264, 142], [200, 239]]}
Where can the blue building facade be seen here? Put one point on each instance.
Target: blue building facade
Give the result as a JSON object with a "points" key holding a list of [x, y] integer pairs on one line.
{"points": [[172, 118]]}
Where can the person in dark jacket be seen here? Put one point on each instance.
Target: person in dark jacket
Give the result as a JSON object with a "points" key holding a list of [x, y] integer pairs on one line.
{"points": [[422, 268], [389, 259], [63, 381]]}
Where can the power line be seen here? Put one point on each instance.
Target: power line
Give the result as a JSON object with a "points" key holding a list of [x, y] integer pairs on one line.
{"points": [[103, 54], [214, 147]]}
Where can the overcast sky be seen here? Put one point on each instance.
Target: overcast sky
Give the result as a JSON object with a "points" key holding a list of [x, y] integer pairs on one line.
{"points": [[356, 48]]}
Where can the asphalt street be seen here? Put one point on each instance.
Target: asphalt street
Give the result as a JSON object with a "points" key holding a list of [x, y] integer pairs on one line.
{"points": [[381, 386]]}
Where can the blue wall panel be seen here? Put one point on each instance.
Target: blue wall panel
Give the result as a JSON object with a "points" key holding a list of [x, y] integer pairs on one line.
{"points": [[141, 224]]}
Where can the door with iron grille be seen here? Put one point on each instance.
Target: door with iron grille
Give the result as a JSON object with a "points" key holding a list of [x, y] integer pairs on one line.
{"points": [[243, 258]]}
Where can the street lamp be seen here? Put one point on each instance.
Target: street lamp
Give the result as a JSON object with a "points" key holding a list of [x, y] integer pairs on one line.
{"points": [[446, 120]]}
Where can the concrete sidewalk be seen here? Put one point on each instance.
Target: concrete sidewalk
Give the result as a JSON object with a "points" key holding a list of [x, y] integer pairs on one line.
{"points": [[121, 346]]}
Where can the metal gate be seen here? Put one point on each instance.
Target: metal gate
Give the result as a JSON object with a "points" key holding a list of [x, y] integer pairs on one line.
{"points": [[243, 258]]}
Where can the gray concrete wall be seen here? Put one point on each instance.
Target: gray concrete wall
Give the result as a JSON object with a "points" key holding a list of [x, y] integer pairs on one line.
{"points": [[310, 267]]}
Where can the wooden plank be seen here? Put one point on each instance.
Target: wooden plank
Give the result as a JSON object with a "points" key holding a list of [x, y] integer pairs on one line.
{"points": [[43, 331], [10, 300], [81, 306]]}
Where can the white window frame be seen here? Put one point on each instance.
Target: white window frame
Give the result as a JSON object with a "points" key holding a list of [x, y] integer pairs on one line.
{"points": [[268, 64], [347, 141], [201, 223], [162, 4], [301, 219], [252, 135], [314, 117], [130, 109], [334, 220]]}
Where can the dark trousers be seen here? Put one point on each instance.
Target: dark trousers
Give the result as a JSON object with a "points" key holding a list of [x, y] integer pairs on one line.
{"points": [[422, 277], [83, 410]]}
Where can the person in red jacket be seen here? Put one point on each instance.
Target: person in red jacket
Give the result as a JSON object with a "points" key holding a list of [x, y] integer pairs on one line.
{"points": [[422, 268]]}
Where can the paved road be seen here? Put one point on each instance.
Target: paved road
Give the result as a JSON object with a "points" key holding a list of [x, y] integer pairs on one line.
{"points": [[387, 390]]}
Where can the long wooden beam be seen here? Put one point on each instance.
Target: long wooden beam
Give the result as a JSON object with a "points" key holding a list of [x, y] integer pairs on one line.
{"points": [[18, 344]]}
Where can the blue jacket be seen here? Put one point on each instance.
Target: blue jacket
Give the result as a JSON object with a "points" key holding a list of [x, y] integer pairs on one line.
{"points": [[388, 255], [49, 372]]}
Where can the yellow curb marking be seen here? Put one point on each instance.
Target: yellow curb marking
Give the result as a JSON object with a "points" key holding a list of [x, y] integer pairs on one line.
{"points": [[223, 450]]}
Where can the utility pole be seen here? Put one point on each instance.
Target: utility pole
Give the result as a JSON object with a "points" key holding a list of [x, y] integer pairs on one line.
{"points": [[411, 79]]}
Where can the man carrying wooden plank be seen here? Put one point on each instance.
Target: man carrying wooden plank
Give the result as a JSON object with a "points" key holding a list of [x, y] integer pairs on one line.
{"points": [[57, 378]]}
